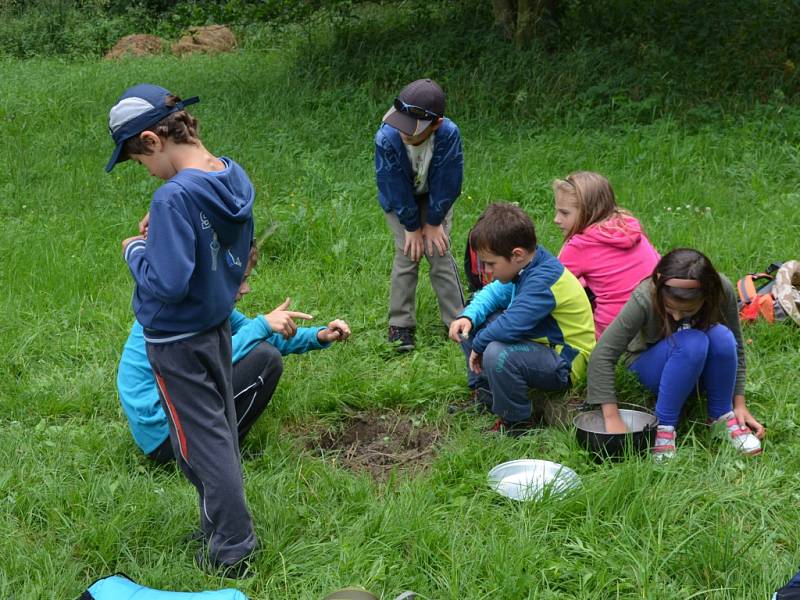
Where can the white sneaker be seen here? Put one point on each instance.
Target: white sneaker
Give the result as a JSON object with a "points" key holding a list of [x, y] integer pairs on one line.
{"points": [[742, 437], [664, 446]]}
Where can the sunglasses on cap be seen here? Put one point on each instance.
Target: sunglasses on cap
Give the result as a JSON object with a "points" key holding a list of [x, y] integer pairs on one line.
{"points": [[415, 111]]}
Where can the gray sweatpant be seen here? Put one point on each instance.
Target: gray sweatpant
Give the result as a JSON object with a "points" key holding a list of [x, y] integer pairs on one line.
{"points": [[255, 378], [405, 273], [194, 382]]}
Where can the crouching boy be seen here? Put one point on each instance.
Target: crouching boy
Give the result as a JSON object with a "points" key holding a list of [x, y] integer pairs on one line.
{"points": [[258, 344], [532, 327]]}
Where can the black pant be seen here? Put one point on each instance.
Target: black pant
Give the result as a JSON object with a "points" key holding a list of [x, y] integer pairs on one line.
{"points": [[194, 382], [255, 378]]}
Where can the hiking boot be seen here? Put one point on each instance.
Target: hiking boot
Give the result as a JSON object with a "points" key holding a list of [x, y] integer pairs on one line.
{"points": [[741, 437], [664, 446], [480, 400], [402, 338], [513, 429], [240, 570]]}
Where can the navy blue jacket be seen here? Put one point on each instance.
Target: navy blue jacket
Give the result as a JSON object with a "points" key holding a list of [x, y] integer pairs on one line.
{"points": [[190, 267], [395, 178]]}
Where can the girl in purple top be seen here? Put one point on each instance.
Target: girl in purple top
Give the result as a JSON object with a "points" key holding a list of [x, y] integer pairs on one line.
{"points": [[604, 245]]}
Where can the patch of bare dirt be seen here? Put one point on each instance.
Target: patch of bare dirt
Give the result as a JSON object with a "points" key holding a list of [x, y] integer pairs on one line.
{"points": [[378, 443]]}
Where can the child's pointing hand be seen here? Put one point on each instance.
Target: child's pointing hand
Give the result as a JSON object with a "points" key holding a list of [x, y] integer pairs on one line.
{"points": [[281, 320]]}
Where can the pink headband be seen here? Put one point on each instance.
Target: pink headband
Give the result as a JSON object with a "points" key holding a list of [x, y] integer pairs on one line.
{"points": [[686, 284]]}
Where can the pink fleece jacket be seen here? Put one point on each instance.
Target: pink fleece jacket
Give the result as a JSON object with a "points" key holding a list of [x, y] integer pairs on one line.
{"points": [[610, 258]]}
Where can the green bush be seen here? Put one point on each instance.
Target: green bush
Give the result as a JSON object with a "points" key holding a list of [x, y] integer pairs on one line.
{"points": [[615, 60], [56, 28], [79, 28]]}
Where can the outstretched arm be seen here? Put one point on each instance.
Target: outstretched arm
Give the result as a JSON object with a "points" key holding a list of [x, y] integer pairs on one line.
{"points": [[336, 331]]}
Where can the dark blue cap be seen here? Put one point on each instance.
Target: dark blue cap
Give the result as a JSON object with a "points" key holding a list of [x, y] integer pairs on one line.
{"points": [[138, 108]]}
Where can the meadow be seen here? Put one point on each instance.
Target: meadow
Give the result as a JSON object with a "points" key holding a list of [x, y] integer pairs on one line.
{"points": [[78, 501]]}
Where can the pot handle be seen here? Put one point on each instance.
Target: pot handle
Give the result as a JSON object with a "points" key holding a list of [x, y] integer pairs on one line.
{"points": [[586, 407], [638, 407]]}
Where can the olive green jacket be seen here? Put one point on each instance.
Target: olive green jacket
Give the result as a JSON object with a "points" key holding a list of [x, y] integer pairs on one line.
{"points": [[636, 328]]}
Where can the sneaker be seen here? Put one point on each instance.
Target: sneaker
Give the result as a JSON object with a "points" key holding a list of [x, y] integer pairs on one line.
{"points": [[480, 400], [240, 570], [742, 438], [664, 446], [515, 429], [402, 338], [195, 536]]}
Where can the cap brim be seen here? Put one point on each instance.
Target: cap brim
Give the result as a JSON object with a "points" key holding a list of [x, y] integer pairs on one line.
{"points": [[115, 157], [405, 123]]}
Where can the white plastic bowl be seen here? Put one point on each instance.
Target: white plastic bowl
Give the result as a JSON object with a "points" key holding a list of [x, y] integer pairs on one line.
{"points": [[529, 479]]}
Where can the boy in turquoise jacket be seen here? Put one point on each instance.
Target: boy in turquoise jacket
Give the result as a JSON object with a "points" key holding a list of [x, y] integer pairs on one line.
{"points": [[531, 327], [257, 368]]}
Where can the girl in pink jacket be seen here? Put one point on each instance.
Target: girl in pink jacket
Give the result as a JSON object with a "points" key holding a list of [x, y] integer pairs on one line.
{"points": [[604, 245]]}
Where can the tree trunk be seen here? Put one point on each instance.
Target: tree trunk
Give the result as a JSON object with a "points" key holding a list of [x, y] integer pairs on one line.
{"points": [[518, 19], [505, 12]]}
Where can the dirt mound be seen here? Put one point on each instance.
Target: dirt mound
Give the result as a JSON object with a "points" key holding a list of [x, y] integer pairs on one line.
{"points": [[211, 39], [138, 44], [379, 443]]}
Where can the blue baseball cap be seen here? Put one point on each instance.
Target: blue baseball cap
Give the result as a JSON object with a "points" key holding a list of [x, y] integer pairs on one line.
{"points": [[138, 108]]}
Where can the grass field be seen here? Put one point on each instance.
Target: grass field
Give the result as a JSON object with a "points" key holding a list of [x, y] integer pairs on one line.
{"points": [[77, 501]]}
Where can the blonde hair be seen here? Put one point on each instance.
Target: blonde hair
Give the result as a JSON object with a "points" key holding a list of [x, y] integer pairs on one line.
{"points": [[594, 198]]}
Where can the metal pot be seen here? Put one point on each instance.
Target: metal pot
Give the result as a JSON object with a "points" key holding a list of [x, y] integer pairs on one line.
{"points": [[591, 432]]}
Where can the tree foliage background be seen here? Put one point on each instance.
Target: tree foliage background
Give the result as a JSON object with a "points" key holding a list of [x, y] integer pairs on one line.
{"points": [[531, 59]]}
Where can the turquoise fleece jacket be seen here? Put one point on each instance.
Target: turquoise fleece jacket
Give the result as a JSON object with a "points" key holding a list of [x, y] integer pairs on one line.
{"points": [[136, 384]]}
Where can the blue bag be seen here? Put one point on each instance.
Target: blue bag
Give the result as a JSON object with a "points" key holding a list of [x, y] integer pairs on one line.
{"points": [[121, 587], [791, 591]]}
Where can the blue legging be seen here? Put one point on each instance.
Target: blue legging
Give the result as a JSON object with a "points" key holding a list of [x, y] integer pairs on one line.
{"points": [[673, 367]]}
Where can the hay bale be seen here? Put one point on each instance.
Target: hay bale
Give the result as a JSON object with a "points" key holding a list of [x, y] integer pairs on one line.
{"points": [[138, 44], [211, 39]]}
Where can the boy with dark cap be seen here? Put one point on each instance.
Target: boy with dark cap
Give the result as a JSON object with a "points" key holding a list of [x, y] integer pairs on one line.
{"points": [[419, 167], [188, 265]]}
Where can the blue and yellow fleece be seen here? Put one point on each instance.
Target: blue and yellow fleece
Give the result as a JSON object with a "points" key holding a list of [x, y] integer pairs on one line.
{"points": [[544, 303]]}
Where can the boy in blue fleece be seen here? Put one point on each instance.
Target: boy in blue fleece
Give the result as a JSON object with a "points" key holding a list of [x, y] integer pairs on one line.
{"points": [[419, 167], [257, 367], [187, 266], [531, 327]]}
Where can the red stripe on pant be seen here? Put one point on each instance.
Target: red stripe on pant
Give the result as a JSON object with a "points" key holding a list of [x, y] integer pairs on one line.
{"points": [[174, 416]]}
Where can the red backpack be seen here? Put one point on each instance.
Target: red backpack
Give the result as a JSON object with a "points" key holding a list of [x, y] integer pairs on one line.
{"points": [[477, 277], [756, 298]]}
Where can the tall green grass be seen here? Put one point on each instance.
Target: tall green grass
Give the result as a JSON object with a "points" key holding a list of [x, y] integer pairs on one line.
{"points": [[78, 502]]}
